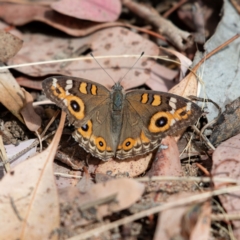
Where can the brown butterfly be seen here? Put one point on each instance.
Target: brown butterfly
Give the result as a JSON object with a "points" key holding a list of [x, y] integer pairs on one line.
{"points": [[115, 123]]}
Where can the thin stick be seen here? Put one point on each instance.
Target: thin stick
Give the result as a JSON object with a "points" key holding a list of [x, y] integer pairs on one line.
{"points": [[175, 7], [65, 175], [65, 60], [169, 178], [188, 179]]}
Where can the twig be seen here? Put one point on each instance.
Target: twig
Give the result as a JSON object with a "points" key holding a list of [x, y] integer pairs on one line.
{"points": [[215, 119], [4, 157], [34, 144], [188, 179], [203, 169], [181, 39], [203, 137], [217, 49], [14, 207], [64, 158], [225, 217], [65, 175], [174, 8], [198, 20]]}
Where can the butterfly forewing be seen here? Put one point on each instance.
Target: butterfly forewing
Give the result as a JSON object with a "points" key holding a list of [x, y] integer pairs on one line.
{"points": [[74, 94]]}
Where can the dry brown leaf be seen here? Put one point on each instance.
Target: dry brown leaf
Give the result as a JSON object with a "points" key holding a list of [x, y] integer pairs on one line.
{"points": [[184, 221], [187, 87], [226, 163], [9, 45], [161, 78], [31, 118], [40, 2], [10, 29], [29, 83], [20, 14], [11, 95], [29, 202], [85, 183], [112, 41], [167, 161], [185, 62], [166, 221], [201, 230], [131, 168], [128, 192], [123, 193], [95, 10]]}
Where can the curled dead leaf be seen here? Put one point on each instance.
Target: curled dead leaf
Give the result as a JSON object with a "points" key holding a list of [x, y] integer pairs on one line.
{"points": [[11, 95], [31, 118]]}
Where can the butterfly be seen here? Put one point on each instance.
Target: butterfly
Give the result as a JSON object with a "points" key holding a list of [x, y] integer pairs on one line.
{"points": [[114, 123]]}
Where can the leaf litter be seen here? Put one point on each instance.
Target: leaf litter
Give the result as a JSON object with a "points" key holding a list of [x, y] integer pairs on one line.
{"points": [[22, 205], [97, 196]]}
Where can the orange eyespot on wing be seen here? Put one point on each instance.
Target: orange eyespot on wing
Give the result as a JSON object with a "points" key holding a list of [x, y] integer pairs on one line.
{"points": [[86, 130], [160, 122], [128, 144], [101, 144], [75, 106]]}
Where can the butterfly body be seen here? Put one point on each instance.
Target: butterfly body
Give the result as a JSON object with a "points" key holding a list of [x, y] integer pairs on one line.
{"points": [[115, 123]]}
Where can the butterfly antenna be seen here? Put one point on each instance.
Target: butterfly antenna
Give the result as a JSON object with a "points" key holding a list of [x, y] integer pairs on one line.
{"points": [[131, 67], [101, 66]]}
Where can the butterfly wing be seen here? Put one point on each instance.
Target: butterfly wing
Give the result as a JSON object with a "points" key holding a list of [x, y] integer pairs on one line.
{"points": [[148, 116], [87, 104]]}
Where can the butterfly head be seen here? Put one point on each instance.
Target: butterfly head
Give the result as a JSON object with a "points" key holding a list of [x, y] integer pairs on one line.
{"points": [[117, 87]]}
